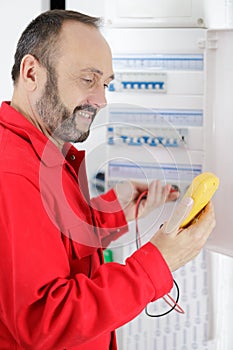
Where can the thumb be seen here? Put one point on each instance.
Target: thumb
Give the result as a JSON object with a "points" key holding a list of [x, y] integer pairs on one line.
{"points": [[182, 210]]}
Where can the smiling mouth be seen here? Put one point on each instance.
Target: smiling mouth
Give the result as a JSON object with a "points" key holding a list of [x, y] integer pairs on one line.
{"points": [[86, 115]]}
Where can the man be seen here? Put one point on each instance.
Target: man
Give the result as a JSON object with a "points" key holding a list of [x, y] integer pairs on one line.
{"points": [[56, 293]]}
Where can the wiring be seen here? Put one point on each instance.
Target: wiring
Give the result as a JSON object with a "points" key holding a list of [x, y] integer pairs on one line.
{"points": [[167, 298]]}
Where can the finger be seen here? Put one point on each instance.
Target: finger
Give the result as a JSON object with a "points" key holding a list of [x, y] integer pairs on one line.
{"points": [[154, 193], [206, 219], [173, 196], [166, 191], [182, 210]]}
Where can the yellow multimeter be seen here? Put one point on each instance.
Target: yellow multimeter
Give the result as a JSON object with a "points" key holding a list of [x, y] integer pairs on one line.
{"points": [[201, 191]]}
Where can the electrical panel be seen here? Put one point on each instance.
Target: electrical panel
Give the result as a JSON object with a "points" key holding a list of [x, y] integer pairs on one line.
{"points": [[155, 109], [144, 73], [156, 130], [155, 127]]}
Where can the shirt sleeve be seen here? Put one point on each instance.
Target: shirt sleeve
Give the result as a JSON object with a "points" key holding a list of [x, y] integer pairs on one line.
{"points": [[109, 217], [41, 304]]}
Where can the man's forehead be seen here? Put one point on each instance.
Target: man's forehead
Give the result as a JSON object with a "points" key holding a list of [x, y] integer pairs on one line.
{"points": [[85, 48], [80, 32]]}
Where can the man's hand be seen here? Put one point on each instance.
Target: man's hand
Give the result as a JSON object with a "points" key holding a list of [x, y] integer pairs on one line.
{"points": [[180, 246], [128, 193]]}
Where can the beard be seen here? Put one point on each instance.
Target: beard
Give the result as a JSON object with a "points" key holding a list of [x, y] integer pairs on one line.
{"points": [[69, 131], [61, 124]]}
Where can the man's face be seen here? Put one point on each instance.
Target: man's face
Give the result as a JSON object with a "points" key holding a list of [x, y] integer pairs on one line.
{"points": [[75, 88]]}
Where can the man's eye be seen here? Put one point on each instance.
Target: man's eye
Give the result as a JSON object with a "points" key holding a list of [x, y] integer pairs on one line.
{"points": [[87, 81]]}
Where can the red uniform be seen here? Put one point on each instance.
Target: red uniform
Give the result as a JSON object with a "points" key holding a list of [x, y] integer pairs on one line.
{"points": [[55, 291]]}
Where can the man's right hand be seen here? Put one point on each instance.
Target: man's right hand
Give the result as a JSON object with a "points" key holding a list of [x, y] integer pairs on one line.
{"points": [[179, 246]]}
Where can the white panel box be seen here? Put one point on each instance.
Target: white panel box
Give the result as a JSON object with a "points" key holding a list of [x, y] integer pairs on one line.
{"points": [[219, 126], [158, 73], [219, 14], [154, 40], [155, 127], [155, 13]]}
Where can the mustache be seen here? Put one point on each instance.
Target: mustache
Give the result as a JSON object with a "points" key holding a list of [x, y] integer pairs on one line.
{"points": [[86, 107]]}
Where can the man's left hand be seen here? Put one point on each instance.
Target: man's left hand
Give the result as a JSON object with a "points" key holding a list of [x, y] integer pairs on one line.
{"points": [[128, 192]]}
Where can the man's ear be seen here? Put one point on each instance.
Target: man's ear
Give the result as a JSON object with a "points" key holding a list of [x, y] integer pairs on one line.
{"points": [[29, 69]]}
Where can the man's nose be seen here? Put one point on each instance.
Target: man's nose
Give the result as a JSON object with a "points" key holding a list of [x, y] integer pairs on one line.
{"points": [[98, 98]]}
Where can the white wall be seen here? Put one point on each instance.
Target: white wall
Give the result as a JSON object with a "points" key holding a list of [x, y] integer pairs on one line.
{"points": [[89, 7], [14, 17]]}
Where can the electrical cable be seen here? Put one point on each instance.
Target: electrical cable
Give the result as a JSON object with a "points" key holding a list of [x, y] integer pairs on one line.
{"points": [[172, 303]]}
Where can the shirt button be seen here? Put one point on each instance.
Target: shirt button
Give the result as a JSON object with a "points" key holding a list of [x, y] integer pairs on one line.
{"points": [[72, 157]]}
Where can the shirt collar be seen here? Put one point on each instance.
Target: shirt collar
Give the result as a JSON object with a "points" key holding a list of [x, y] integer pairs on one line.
{"points": [[46, 150]]}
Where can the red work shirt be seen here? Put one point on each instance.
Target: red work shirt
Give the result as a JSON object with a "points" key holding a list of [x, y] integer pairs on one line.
{"points": [[55, 291]]}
